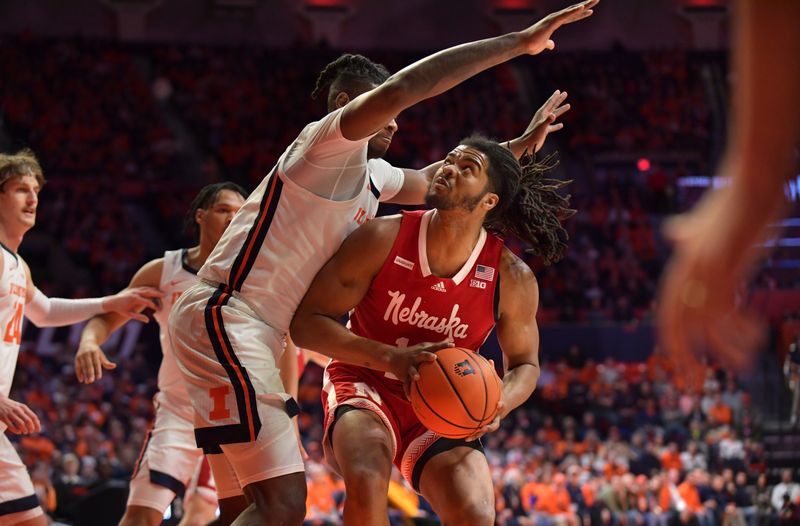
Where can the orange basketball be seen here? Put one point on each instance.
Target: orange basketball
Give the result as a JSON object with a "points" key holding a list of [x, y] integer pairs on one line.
{"points": [[457, 394]]}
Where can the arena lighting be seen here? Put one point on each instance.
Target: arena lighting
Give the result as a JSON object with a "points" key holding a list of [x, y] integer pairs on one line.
{"points": [[513, 5], [643, 164], [326, 4], [791, 188]]}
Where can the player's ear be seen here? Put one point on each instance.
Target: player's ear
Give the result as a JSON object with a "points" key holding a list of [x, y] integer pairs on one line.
{"points": [[341, 99], [490, 200], [199, 216]]}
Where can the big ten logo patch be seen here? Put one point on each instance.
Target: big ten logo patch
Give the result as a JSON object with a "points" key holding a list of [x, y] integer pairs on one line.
{"points": [[464, 368], [478, 284]]}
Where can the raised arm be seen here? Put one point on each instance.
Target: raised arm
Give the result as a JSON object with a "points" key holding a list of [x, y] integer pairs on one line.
{"points": [[338, 287], [416, 182], [370, 112], [518, 335], [90, 360]]}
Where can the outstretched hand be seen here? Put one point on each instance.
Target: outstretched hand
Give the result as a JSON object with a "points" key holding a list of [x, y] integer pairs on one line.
{"points": [[132, 301], [90, 361], [544, 122], [537, 37], [700, 307]]}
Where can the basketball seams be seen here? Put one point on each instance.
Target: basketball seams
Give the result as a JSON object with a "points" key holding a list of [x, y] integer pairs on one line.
{"points": [[477, 359], [440, 417]]}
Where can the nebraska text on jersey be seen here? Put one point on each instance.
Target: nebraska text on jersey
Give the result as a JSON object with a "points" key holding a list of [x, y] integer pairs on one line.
{"points": [[451, 326]]}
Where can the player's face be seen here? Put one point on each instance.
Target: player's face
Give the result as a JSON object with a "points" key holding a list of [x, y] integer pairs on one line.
{"points": [[18, 201], [461, 182], [379, 143], [214, 220]]}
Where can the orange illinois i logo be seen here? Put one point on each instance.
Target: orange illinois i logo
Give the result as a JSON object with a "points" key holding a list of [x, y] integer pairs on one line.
{"points": [[13, 332], [219, 399]]}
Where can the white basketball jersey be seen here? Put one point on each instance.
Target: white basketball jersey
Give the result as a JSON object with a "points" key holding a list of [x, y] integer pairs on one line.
{"points": [[176, 277], [13, 284], [284, 233]]}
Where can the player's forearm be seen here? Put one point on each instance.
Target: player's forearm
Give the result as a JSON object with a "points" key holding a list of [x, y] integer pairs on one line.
{"points": [[440, 72], [327, 336], [99, 328], [518, 385]]}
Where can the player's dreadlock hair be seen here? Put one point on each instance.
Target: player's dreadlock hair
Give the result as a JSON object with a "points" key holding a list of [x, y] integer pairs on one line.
{"points": [[530, 206], [352, 74], [24, 162], [206, 199]]}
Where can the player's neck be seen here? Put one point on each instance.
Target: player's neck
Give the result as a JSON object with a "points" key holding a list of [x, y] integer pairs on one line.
{"points": [[197, 255], [451, 238], [10, 238]]}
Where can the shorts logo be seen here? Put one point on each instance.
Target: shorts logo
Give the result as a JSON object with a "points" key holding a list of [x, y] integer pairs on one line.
{"points": [[464, 368], [219, 399], [478, 284]]}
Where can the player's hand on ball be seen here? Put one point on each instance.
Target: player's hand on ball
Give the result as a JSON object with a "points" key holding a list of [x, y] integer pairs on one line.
{"points": [[132, 301], [19, 418], [405, 360], [492, 426], [90, 362]]}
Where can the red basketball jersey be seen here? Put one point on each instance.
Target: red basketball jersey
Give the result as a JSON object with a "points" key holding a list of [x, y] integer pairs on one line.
{"points": [[406, 304]]}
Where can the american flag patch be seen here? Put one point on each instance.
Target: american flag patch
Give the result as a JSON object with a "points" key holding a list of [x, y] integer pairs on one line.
{"points": [[483, 272]]}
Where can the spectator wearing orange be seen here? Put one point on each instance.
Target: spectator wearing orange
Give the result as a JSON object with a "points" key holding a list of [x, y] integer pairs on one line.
{"points": [[671, 457]]}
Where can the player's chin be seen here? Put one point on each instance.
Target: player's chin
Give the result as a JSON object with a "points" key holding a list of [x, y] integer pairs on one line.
{"points": [[377, 148]]}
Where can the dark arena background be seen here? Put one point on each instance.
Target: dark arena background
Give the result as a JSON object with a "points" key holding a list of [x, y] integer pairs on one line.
{"points": [[133, 105]]}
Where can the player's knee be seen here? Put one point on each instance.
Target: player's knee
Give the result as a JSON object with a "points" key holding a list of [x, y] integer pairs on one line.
{"points": [[470, 514]]}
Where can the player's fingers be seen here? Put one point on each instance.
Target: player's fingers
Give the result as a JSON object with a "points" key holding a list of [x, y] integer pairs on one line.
{"points": [[97, 369], [433, 347], [561, 110], [138, 316], [26, 420], [33, 417], [425, 356], [555, 127], [550, 44], [79, 368], [107, 364], [149, 292]]}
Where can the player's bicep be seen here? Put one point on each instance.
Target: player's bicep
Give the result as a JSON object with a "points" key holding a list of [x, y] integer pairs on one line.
{"points": [[517, 330], [345, 278]]}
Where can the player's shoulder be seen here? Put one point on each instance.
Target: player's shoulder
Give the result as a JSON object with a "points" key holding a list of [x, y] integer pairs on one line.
{"points": [[149, 275], [514, 271], [376, 233]]}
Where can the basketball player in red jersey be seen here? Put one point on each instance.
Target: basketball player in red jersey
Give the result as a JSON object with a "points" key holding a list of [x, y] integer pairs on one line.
{"points": [[21, 178], [425, 277]]}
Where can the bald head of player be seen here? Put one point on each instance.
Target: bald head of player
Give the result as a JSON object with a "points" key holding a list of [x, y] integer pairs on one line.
{"points": [[346, 78], [483, 182]]}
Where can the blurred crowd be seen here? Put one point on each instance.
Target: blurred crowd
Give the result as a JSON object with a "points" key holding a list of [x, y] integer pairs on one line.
{"points": [[598, 443]]}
